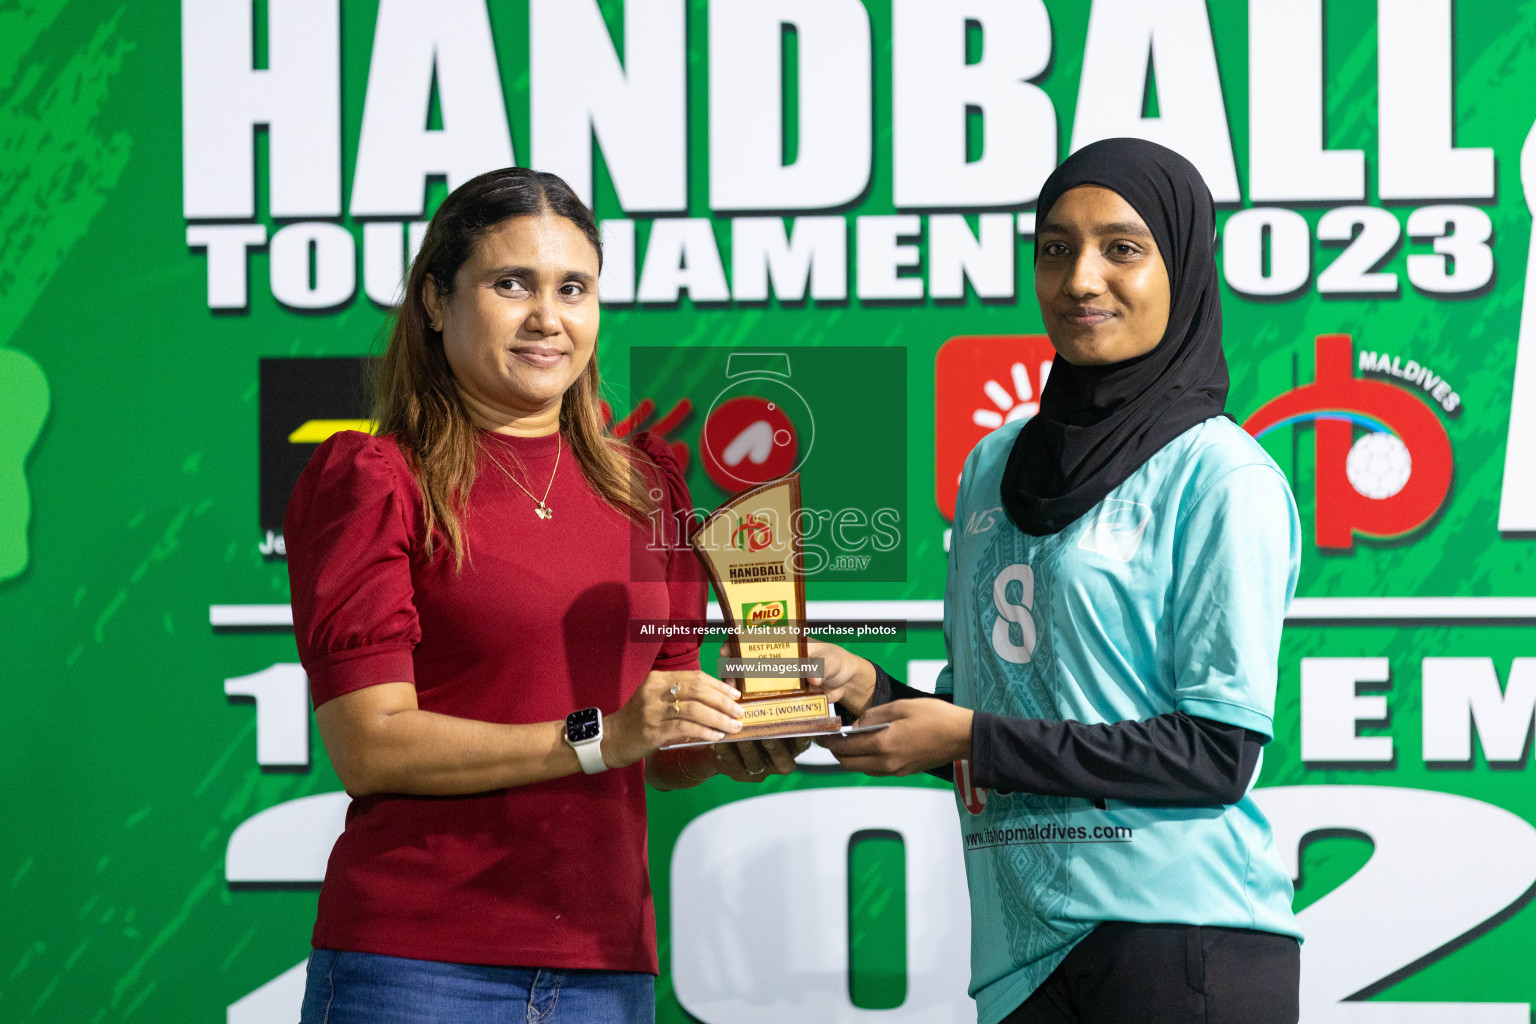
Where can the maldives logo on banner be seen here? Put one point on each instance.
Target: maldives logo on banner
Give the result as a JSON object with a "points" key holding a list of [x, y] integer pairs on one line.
{"points": [[981, 382], [1387, 482]]}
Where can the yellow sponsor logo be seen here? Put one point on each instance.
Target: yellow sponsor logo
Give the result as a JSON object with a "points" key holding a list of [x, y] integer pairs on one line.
{"points": [[759, 612]]}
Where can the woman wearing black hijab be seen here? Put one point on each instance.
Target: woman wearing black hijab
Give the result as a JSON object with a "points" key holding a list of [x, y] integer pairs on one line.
{"points": [[1119, 573]]}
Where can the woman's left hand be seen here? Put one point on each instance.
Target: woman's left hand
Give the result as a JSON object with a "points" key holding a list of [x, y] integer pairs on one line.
{"points": [[923, 734], [755, 760]]}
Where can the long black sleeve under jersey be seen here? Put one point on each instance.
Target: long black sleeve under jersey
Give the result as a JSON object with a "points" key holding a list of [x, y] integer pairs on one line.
{"points": [[1173, 758]]}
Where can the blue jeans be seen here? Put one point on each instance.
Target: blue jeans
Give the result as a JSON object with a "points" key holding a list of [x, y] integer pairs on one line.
{"points": [[367, 988]]}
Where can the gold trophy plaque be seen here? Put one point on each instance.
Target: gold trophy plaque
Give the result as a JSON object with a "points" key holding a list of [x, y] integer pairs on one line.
{"points": [[751, 548]]}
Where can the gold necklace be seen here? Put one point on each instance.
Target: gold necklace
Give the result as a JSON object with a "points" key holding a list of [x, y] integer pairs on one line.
{"points": [[543, 511]]}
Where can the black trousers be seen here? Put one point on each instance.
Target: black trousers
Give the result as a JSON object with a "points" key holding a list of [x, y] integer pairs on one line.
{"points": [[1125, 973]]}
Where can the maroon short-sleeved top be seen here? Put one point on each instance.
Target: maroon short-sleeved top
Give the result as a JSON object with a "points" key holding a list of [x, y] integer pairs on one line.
{"points": [[536, 625]]}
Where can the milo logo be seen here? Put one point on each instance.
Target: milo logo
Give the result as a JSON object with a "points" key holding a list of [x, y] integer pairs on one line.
{"points": [[763, 612]]}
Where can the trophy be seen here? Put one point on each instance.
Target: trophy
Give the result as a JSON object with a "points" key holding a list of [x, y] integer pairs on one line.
{"points": [[751, 548]]}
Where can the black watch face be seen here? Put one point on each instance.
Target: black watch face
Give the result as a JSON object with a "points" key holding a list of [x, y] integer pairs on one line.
{"points": [[582, 725]]}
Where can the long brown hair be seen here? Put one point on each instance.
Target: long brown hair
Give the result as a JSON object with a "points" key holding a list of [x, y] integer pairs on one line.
{"points": [[416, 398]]}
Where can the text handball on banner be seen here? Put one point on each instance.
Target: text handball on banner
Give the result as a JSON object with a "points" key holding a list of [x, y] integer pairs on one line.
{"points": [[635, 110]]}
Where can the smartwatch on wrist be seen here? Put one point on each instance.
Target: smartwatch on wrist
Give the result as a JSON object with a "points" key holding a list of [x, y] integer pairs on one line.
{"points": [[584, 732]]}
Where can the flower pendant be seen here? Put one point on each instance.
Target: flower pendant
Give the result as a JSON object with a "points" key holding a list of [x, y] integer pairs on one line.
{"points": [[543, 511]]}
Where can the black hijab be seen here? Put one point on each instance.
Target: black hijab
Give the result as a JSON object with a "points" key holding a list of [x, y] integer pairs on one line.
{"points": [[1098, 424]]}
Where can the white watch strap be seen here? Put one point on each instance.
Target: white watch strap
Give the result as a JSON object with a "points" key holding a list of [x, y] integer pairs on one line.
{"points": [[590, 753]]}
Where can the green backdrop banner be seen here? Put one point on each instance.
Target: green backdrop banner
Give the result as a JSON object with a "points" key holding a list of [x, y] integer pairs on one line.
{"points": [[207, 212]]}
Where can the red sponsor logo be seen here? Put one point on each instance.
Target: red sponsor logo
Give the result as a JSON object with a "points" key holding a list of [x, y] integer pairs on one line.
{"points": [[1383, 460], [752, 533], [748, 440], [973, 796], [981, 382]]}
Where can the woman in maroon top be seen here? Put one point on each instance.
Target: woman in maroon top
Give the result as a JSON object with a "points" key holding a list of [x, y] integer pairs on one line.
{"points": [[462, 583]]}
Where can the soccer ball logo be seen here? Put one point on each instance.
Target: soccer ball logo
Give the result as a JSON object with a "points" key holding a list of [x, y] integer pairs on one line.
{"points": [[1378, 465], [1366, 485]]}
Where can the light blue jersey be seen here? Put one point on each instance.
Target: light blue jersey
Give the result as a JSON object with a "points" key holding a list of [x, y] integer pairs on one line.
{"points": [[1168, 595]]}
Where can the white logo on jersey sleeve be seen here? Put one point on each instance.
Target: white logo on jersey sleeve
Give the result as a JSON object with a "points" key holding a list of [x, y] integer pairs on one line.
{"points": [[1117, 530], [981, 522], [1010, 615]]}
